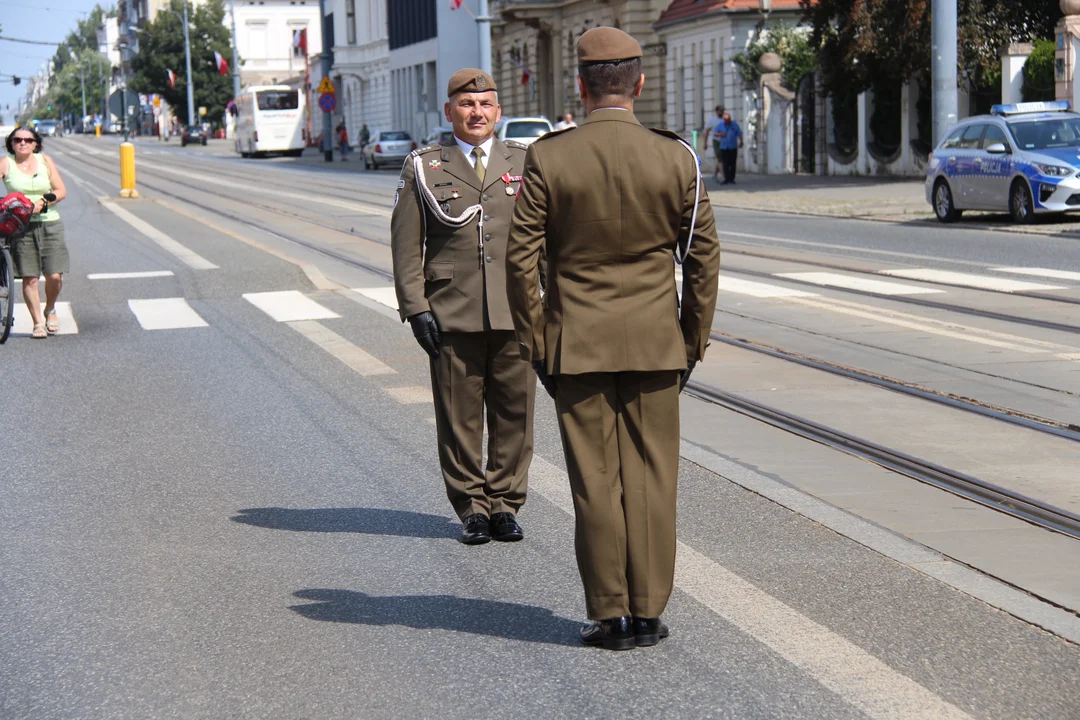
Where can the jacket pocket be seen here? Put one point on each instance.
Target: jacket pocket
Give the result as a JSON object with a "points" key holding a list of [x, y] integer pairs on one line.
{"points": [[437, 270]]}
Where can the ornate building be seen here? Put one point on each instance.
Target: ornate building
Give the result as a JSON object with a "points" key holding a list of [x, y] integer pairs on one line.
{"points": [[533, 53]]}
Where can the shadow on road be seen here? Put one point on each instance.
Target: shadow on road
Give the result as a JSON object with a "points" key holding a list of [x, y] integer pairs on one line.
{"points": [[371, 521], [440, 612]]}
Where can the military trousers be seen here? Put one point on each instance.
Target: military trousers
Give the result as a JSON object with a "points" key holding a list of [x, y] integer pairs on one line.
{"points": [[620, 434], [480, 374]]}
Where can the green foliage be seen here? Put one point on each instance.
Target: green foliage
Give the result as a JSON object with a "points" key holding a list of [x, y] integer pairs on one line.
{"points": [[161, 48], [791, 44], [78, 49], [868, 43], [1038, 72]]}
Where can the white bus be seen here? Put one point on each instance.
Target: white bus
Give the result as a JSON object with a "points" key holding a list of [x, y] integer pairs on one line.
{"points": [[270, 119]]}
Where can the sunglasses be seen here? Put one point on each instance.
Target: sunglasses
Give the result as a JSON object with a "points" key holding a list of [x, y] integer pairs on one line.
{"points": [[17, 140]]}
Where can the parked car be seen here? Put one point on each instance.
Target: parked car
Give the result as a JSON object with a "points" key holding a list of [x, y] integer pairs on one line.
{"points": [[524, 130], [1021, 158], [48, 127], [388, 147], [439, 135], [192, 134]]}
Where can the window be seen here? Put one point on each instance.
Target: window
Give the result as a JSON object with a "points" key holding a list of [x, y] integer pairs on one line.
{"points": [[278, 99], [971, 137], [350, 22], [994, 134], [953, 141]]}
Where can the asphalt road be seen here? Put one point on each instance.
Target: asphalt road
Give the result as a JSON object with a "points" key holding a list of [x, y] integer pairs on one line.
{"points": [[243, 517]]}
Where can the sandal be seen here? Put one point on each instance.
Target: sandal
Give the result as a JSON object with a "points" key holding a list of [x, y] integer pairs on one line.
{"points": [[51, 326], [39, 331]]}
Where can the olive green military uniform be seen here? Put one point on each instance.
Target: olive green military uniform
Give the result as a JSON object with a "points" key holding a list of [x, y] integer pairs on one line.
{"points": [[611, 200], [448, 236]]}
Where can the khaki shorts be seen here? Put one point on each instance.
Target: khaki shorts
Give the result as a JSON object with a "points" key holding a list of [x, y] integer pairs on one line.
{"points": [[41, 251]]}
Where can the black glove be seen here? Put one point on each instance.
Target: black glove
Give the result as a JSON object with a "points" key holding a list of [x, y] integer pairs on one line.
{"points": [[426, 332], [546, 380], [685, 377]]}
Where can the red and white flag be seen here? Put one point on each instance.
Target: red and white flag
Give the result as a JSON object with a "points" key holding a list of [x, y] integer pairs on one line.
{"points": [[455, 4], [526, 75], [222, 66], [172, 78], [299, 40]]}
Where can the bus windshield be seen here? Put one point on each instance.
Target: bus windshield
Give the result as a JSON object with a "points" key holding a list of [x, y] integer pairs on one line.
{"points": [[278, 99]]}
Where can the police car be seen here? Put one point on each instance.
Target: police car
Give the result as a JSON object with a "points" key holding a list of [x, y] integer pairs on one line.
{"points": [[1023, 158]]}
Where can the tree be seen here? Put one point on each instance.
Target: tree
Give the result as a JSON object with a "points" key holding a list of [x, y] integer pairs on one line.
{"points": [[65, 90], [161, 48], [791, 44], [1039, 72]]}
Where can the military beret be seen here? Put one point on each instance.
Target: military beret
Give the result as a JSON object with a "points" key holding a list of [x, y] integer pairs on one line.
{"points": [[470, 80], [606, 44]]}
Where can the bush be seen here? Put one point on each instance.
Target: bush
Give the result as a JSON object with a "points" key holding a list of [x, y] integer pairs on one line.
{"points": [[1038, 72], [791, 44]]}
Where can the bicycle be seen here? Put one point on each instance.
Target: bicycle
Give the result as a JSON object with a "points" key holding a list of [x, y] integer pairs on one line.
{"points": [[7, 283]]}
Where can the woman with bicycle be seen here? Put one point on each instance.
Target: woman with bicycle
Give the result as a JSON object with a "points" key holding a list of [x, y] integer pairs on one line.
{"points": [[42, 250]]}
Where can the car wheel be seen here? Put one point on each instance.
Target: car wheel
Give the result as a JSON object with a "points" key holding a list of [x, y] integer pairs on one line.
{"points": [[183, 143], [943, 203], [367, 163], [245, 155], [1020, 205]]}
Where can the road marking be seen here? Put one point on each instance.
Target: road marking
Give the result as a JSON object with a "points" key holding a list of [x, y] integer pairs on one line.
{"points": [[348, 353], [23, 324], [384, 295], [849, 248], [849, 282], [289, 306], [760, 290], [189, 257], [411, 394], [165, 314], [1040, 272], [981, 282], [130, 275], [839, 665]]}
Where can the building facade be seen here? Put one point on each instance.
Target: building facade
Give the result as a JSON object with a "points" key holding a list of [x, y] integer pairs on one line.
{"points": [[265, 30], [361, 71], [534, 53]]}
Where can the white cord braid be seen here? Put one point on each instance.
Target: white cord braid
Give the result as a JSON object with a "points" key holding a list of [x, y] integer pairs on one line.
{"points": [[680, 254], [466, 217]]}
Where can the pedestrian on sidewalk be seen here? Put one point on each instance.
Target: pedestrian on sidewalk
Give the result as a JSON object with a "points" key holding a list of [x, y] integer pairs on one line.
{"points": [[730, 138], [365, 136], [607, 338], [41, 250], [448, 236], [710, 124], [566, 122], [343, 140]]}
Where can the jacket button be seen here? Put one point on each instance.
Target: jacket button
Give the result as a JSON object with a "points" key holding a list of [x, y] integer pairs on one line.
{"points": [[485, 197], [487, 259], [486, 218], [487, 237]]}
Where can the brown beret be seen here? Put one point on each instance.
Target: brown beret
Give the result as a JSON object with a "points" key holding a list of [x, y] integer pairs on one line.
{"points": [[470, 80], [606, 44]]}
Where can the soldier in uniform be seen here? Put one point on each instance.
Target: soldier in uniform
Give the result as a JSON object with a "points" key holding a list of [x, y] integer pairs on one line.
{"points": [[448, 236], [615, 203]]}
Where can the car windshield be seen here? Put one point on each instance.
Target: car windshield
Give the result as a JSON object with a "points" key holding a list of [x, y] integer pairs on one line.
{"points": [[47, 123], [395, 135], [526, 129], [1042, 134], [278, 99]]}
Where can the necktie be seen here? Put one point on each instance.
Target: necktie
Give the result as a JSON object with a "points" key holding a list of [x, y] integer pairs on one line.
{"points": [[478, 165]]}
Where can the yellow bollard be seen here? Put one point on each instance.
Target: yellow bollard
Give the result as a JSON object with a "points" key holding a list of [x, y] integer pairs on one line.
{"points": [[97, 131], [127, 171]]}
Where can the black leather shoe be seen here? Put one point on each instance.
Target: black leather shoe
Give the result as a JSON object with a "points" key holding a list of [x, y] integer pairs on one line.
{"points": [[614, 634], [649, 631], [505, 528], [474, 529]]}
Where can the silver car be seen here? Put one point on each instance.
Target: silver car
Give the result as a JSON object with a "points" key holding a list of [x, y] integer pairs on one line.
{"points": [[388, 147], [48, 128], [524, 130], [1022, 158]]}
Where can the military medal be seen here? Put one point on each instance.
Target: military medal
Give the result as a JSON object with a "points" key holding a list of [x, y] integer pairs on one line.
{"points": [[445, 207], [435, 164], [508, 178]]}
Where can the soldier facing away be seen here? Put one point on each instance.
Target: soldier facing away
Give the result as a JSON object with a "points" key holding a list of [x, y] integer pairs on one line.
{"points": [[613, 203], [448, 236]]}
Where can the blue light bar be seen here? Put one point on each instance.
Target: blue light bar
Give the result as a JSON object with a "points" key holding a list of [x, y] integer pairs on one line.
{"points": [[1031, 107]]}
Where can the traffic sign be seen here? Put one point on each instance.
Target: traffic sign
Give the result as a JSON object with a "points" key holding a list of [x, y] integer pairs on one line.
{"points": [[327, 101], [326, 87]]}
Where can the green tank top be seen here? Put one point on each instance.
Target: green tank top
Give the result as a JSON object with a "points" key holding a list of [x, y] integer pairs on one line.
{"points": [[32, 186]]}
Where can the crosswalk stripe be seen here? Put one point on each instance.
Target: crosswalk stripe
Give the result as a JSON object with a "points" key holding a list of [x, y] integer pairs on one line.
{"points": [[759, 290], [165, 314], [384, 295], [348, 353], [130, 275], [23, 324], [849, 282], [1039, 272], [981, 282], [289, 306], [189, 257]]}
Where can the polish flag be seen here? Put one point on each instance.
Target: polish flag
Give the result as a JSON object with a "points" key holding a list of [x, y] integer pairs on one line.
{"points": [[172, 78], [455, 4], [299, 40], [222, 66]]}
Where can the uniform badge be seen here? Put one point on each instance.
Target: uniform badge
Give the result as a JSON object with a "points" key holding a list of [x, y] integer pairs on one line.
{"points": [[455, 194], [510, 190], [400, 184], [435, 164], [445, 207]]}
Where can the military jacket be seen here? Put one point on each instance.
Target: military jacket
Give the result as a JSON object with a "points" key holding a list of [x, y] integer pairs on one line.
{"points": [[448, 236], [611, 201]]}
